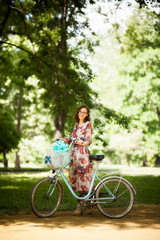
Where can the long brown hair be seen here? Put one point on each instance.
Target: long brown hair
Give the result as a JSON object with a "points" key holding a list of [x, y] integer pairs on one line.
{"points": [[87, 118]]}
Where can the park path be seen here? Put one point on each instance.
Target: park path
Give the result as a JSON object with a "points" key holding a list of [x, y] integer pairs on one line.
{"points": [[142, 223]]}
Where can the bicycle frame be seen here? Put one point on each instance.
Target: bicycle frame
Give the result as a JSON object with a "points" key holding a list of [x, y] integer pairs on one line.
{"points": [[90, 189], [113, 195]]}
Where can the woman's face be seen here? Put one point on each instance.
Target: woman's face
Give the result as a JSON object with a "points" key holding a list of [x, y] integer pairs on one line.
{"points": [[83, 113]]}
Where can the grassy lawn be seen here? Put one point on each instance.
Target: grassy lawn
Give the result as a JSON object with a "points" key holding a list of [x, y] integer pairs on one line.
{"points": [[16, 188]]}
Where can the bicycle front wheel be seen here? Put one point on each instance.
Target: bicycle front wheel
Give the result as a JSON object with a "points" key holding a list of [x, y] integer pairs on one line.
{"points": [[123, 200], [46, 197]]}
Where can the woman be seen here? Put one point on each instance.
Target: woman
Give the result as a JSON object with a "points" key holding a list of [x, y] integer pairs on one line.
{"points": [[81, 168]]}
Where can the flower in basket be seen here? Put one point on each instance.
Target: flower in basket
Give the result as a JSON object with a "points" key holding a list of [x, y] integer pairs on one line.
{"points": [[60, 146]]}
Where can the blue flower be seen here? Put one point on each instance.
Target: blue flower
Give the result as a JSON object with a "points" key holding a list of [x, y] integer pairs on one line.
{"points": [[60, 146]]}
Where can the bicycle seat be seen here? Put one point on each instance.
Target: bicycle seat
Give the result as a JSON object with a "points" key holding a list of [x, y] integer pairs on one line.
{"points": [[96, 157]]}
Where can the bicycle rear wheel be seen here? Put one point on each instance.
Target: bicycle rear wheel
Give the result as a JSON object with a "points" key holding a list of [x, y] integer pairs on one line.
{"points": [[121, 204], [46, 197]]}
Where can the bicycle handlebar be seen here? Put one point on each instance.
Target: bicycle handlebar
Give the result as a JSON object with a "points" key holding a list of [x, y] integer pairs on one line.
{"points": [[73, 140]]}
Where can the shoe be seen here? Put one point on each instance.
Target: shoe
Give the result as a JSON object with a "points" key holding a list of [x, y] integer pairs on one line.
{"points": [[90, 209], [78, 211]]}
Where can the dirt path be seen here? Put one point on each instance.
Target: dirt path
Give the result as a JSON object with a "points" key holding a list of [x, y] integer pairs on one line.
{"points": [[143, 223]]}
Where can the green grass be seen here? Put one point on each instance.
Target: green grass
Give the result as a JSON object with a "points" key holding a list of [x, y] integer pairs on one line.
{"points": [[15, 191]]}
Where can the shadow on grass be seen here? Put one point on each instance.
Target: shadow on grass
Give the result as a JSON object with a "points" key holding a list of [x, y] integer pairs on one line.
{"points": [[147, 216]]}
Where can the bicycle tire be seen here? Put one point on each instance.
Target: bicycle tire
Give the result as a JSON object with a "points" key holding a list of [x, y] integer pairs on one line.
{"points": [[43, 204], [123, 202]]}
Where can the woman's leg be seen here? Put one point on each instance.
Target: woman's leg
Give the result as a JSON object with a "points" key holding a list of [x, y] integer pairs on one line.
{"points": [[79, 209]]}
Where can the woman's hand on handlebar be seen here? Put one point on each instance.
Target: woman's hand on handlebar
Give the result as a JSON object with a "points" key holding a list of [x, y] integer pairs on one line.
{"points": [[63, 139], [82, 143]]}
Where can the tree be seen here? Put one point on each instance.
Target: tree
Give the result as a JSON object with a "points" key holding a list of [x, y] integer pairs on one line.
{"points": [[49, 25], [9, 138], [14, 87], [51, 35], [20, 89], [140, 51]]}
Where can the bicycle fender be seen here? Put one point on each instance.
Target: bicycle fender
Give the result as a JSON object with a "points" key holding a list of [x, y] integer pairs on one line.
{"points": [[120, 178]]}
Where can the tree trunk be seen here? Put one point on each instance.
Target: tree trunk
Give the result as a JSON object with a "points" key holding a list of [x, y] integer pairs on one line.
{"points": [[157, 162], [5, 159], [145, 163], [17, 160], [59, 123], [19, 117], [128, 159], [119, 160]]}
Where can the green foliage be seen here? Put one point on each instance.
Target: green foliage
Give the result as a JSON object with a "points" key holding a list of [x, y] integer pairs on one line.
{"points": [[35, 40], [44, 30], [128, 82], [63, 75], [140, 49], [44, 78], [9, 137]]}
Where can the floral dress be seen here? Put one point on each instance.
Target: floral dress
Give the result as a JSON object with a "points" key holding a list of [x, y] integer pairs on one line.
{"points": [[81, 168]]}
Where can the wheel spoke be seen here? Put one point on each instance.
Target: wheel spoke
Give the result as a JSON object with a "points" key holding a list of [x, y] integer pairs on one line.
{"points": [[120, 194], [121, 204], [46, 197]]}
